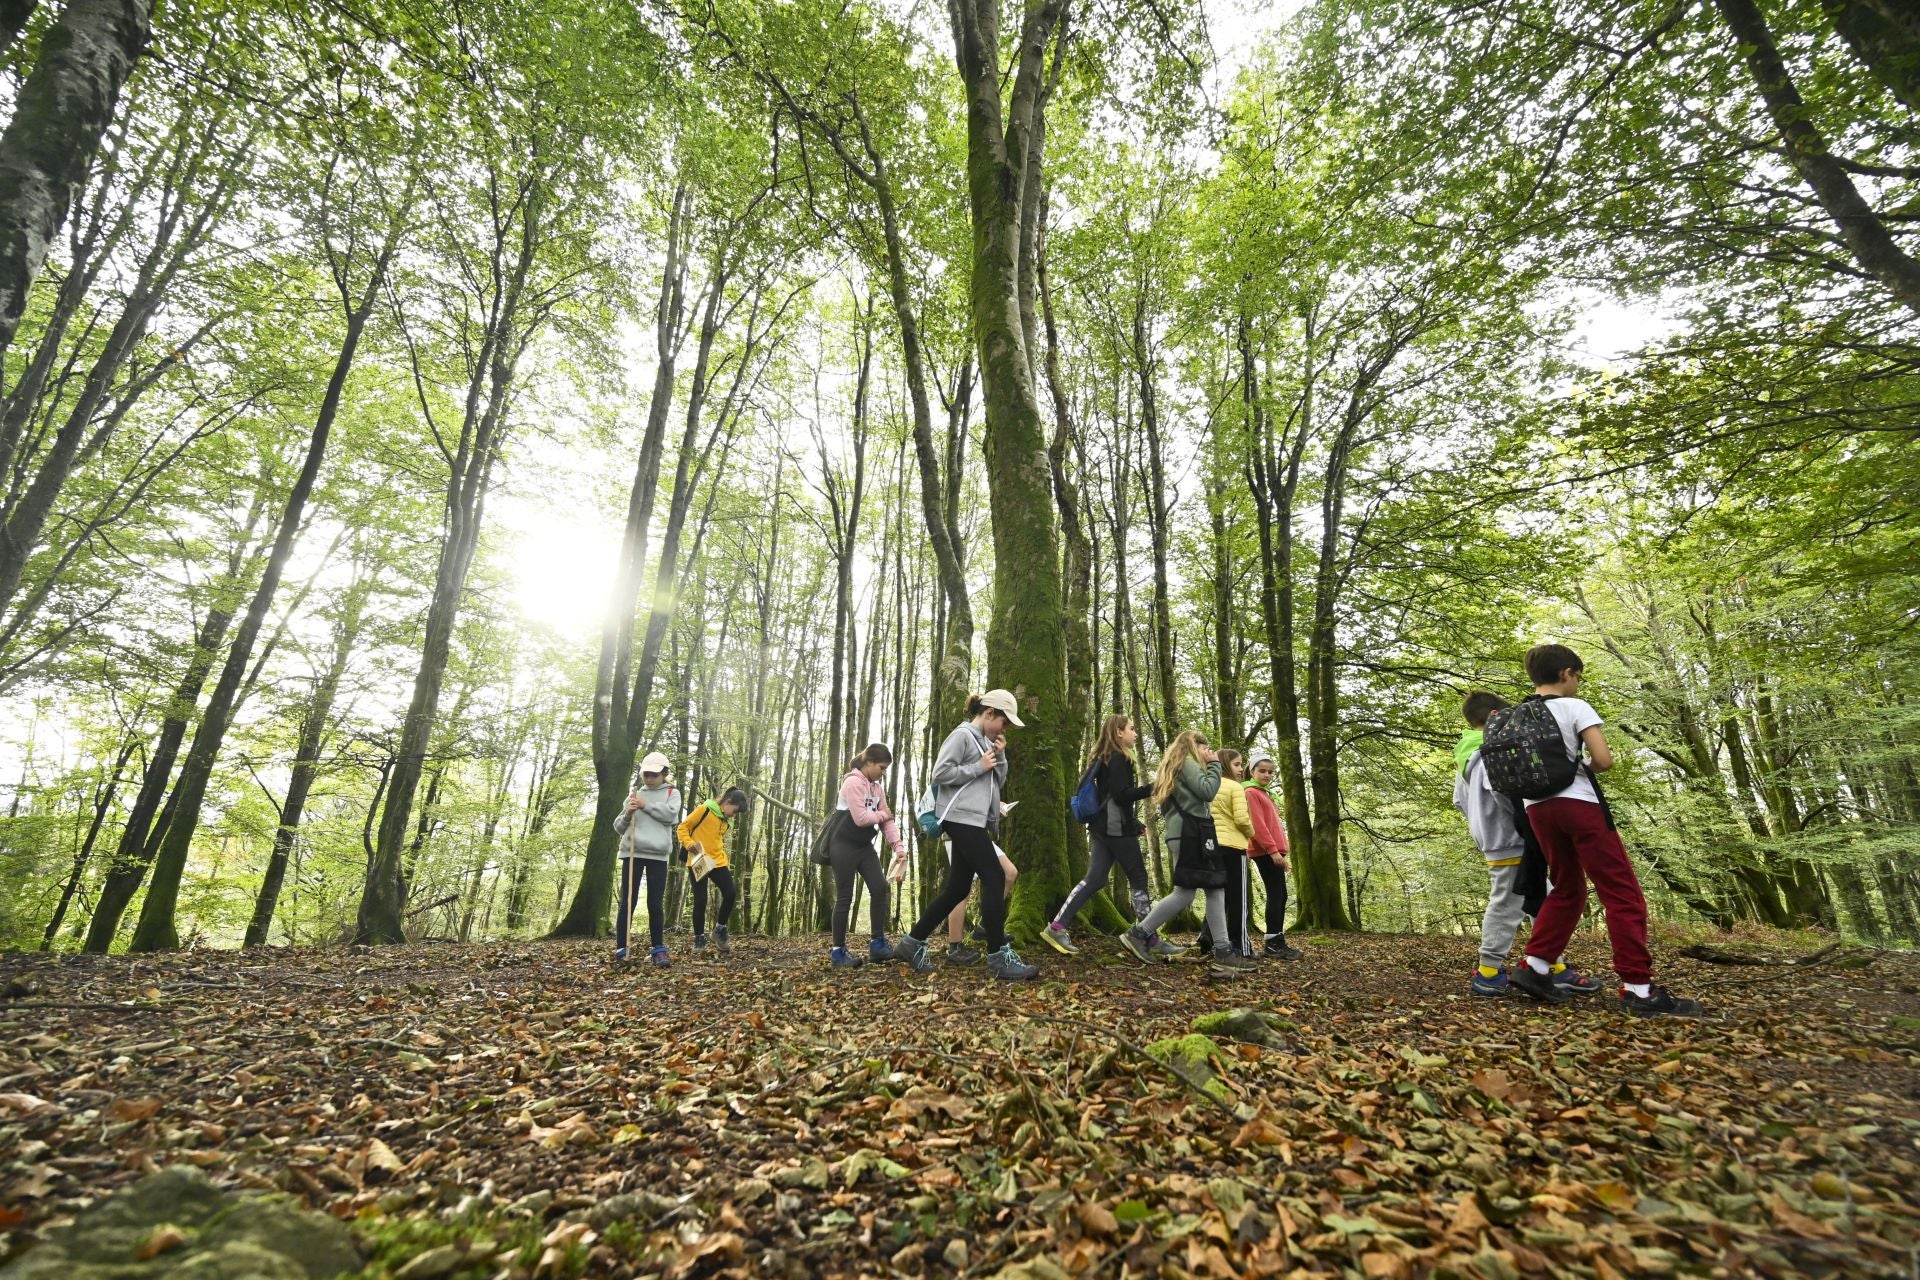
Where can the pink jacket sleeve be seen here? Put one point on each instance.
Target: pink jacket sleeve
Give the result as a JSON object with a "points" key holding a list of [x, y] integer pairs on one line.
{"points": [[867, 806], [1269, 837]]}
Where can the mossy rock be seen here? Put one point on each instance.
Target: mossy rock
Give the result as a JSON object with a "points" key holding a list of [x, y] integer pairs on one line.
{"points": [[1196, 1056], [225, 1237]]}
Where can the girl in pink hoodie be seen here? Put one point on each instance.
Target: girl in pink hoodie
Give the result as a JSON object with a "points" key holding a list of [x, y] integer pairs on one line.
{"points": [[865, 801]]}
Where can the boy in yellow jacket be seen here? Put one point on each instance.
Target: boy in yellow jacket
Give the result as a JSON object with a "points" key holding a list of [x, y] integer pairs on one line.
{"points": [[703, 838]]}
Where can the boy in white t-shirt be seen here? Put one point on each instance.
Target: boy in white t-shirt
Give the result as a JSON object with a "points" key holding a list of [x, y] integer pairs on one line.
{"points": [[1576, 833]]}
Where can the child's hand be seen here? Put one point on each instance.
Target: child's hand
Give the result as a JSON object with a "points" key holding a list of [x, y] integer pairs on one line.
{"points": [[635, 802]]}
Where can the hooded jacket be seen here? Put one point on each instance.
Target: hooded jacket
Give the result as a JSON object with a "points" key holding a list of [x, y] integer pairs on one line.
{"points": [[647, 832], [1193, 791], [963, 792], [705, 830], [866, 803], [1232, 823], [1269, 835], [1489, 814]]}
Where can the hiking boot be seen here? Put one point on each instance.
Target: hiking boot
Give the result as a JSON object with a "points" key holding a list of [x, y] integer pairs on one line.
{"points": [[1661, 1003], [1055, 935], [721, 942], [879, 950], [1277, 949], [913, 953], [619, 953], [1228, 962], [1006, 965], [840, 959], [699, 945], [1540, 986], [1164, 949], [1139, 943], [660, 958], [960, 953], [1573, 982], [1497, 985]]}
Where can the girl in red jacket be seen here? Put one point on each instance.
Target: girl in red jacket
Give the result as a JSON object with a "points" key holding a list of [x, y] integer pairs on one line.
{"points": [[1268, 849]]}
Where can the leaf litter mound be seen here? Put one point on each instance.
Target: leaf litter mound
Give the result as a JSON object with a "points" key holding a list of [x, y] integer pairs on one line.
{"points": [[529, 1110]]}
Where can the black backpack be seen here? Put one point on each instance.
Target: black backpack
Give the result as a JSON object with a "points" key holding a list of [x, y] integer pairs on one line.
{"points": [[1525, 753]]}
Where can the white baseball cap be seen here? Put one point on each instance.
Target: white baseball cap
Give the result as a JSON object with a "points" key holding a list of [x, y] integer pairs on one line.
{"points": [[1002, 701], [655, 763]]}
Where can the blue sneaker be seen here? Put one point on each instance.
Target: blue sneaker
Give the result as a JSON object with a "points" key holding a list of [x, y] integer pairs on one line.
{"points": [[619, 953], [842, 959], [879, 951], [1497, 985], [1573, 981], [660, 960]]}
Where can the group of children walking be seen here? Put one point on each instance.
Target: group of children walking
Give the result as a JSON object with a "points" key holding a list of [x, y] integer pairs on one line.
{"points": [[1526, 782]]}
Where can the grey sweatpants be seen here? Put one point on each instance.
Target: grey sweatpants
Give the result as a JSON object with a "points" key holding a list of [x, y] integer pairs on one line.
{"points": [[1505, 910], [1179, 900], [1107, 852]]}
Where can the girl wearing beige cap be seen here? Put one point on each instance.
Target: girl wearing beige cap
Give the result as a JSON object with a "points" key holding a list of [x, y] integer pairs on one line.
{"points": [[968, 775], [646, 828]]}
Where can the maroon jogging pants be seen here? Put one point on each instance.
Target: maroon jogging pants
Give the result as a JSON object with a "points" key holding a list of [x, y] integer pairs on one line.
{"points": [[1581, 847]]}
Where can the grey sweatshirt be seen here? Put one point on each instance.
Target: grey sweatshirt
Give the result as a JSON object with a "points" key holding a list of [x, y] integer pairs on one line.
{"points": [[651, 834], [963, 792], [1489, 814]]}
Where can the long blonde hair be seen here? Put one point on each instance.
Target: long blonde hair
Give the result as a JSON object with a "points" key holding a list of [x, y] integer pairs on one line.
{"points": [[1178, 754], [1107, 746]]}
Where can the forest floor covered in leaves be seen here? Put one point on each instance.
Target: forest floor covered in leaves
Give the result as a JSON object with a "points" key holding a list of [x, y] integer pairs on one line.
{"points": [[530, 1109]]}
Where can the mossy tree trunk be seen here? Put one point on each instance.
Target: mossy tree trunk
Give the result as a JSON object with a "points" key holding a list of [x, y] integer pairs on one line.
{"points": [[1026, 650]]}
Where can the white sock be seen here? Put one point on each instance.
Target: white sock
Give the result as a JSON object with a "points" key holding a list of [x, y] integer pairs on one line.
{"points": [[1538, 965], [1640, 989]]}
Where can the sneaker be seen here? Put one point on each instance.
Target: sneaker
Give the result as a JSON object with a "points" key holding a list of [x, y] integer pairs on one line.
{"points": [[1006, 965], [840, 959], [1164, 949], [619, 953], [1540, 986], [913, 953], [1055, 935], [1228, 962], [960, 953], [1573, 982], [1661, 1003], [879, 950], [699, 944], [1277, 949], [1138, 942], [1497, 985], [721, 942], [660, 958]]}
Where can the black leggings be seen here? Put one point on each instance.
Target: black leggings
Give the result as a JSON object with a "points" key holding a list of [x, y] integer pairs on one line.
{"points": [[973, 855], [850, 860], [655, 874], [1275, 878], [722, 877]]}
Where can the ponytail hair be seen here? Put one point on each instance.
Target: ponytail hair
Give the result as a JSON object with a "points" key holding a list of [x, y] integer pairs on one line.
{"points": [[975, 706], [876, 753]]}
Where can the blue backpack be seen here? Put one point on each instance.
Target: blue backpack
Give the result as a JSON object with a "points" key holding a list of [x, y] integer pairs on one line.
{"points": [[1086, 798]]}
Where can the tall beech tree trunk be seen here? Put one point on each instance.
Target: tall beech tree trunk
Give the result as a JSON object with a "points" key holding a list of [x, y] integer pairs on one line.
{"points": [[306, 759], [102, 802], [140, 838], [519, 211], [62, 112], [1026, 637], [156, 931]]}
